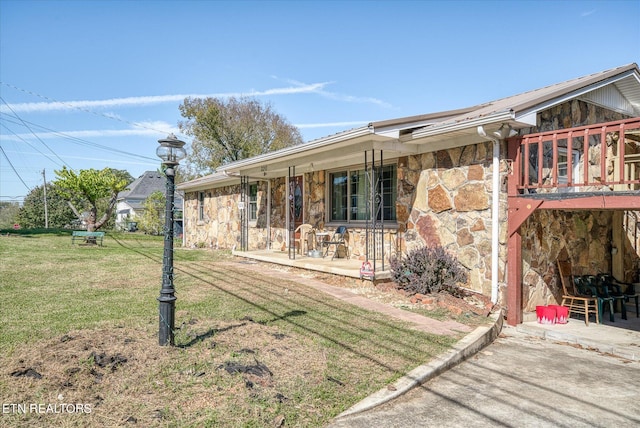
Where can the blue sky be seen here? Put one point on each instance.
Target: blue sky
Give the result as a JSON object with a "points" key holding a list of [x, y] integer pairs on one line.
{"points": [[94, 84]]}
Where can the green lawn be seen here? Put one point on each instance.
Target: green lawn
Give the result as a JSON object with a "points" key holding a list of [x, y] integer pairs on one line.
{"points": [[251, 349]]}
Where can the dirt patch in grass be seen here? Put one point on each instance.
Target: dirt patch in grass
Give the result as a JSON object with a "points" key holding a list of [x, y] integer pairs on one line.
{"points": [[224, 375]]}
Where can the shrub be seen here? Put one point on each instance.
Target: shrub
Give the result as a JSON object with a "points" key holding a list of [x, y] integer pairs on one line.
{"points": [[428, 270]]}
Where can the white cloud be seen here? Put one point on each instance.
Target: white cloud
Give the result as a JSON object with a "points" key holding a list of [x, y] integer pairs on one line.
{"points": [[587, 13], [330, 124], [342, 97], [151, 128], [157, 125], [112, 115], [148, 100], [68, 157], [155, 129]]}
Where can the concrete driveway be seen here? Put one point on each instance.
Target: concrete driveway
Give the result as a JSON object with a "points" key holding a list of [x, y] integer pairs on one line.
{"points": [[519, 381]]}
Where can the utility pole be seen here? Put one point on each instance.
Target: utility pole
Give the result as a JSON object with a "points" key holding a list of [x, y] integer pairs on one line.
{"points": [[46, 214]]}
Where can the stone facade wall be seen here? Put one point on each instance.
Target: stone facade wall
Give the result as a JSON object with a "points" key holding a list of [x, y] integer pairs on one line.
{"points": [[631, 266], [220, 225], [580, 238], [572, 114], [444, 198]]}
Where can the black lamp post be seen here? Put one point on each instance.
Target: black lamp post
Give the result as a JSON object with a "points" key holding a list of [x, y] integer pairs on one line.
{"points": [[171, 152]]}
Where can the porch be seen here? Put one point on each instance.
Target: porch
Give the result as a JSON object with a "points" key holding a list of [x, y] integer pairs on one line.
{"points": [[337, 266]]}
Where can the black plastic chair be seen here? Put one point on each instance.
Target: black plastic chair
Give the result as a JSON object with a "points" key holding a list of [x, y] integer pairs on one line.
{"points": [[616, 290], [586, 285], [339, 238], [630, 292]]}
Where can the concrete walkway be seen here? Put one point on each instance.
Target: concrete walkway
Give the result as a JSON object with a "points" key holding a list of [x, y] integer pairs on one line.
{"points": [[518, 381], [620, 338]]}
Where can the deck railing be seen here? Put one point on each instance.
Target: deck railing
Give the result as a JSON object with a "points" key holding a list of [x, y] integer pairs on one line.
{"points": [[591, 158]]}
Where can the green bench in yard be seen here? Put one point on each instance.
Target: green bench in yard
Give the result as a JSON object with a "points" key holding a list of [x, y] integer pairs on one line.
{"points": [[89, 237]]}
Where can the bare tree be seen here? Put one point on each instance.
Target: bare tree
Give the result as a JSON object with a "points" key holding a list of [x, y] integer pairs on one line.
{"points": [[227, 131]]}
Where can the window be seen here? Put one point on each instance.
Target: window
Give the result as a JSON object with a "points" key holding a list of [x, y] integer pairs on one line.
{"points": [[200, 205], [389, 192], [563, 166], [338, 190], [348, 190], [253, 202]]}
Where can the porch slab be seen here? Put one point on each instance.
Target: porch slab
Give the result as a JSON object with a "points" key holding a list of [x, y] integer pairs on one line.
{"points": [[344, 267], [620, 338]]}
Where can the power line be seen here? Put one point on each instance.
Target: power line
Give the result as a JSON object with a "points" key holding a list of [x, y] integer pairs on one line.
{"points": [[34, 134], [14, 170], [28, 143], [86, 143], [86, 110]]}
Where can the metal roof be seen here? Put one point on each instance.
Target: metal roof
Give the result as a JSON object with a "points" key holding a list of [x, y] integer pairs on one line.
{"points": [[216, 179], [434, 131], [520, 109]]}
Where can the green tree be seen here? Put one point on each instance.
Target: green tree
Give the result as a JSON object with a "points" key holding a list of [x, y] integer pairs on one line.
{"points": [[8, 214], [86, 190], [227, 131], [152, 220], [123, 174], [31, 214]]}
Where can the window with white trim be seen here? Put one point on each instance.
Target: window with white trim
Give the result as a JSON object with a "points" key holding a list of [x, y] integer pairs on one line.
{"points": [[200, 205], [348, 195], [253, 202]]}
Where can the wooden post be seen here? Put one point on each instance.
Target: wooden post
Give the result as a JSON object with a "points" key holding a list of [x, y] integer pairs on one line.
{"points": [[514, 278], [617, 242]]}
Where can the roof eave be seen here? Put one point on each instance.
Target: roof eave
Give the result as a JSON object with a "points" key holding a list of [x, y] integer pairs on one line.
{"points": [[446, 128], [218, 179], [300, 148], [577, 90]]}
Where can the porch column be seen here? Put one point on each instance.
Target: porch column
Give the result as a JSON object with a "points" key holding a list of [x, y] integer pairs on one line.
{"points": [[514, 278], [617, 242]]}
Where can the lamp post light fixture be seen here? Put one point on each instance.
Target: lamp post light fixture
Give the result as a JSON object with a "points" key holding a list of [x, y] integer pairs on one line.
{"points": [[171, 152]]}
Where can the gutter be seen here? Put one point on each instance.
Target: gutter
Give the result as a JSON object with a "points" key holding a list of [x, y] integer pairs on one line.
{"points": [[501, 116], [300, 148], [206, 181]]}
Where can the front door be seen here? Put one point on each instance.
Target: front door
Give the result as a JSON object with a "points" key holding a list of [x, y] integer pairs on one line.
{"points": [[295, 213], [297, 209]]}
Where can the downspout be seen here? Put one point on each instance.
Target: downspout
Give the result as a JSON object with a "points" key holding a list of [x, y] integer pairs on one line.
{"points": [[502, 134], [268, 214], [495, 213]]}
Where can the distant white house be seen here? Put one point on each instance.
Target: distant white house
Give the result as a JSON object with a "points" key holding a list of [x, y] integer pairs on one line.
{"points": [[130, 205]]}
